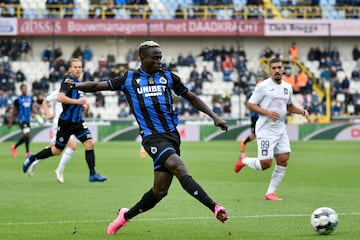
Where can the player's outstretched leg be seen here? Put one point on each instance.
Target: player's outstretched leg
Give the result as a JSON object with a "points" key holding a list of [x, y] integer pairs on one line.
{"points": [[272, 197], [59, 175], [27, 164], [13, 150], [118, 223], [32, 168], [220, 213], [239, 164], [242, 146], [96, 177]]}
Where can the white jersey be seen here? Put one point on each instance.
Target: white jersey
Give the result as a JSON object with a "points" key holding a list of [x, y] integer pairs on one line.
{"points": [[52, 97], [270, 95]]}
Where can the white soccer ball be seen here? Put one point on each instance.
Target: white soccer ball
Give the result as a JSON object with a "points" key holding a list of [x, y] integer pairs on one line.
{"points": [[324, 220]]}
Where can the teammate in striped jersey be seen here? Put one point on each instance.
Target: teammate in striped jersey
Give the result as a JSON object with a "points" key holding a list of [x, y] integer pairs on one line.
{"points": [[71, 123], [69, 151], [148, 91], [23, 107]]}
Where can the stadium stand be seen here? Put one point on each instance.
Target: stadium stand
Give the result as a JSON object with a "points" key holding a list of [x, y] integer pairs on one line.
{"points": [[162, 9]]}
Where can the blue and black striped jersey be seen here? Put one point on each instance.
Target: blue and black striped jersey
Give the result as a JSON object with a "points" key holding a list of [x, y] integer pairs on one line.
{"points": [[252, 114], [71, 112], [23, 105], [150, 99]]}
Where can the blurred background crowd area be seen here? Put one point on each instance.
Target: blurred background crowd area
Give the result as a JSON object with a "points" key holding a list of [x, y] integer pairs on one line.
{"points": [[223, 75], [181, 9]]}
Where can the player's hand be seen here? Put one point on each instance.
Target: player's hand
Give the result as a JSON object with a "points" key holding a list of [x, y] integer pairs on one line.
{"points": [[306, 114], [70, 84], [82, 101], [85, 108], [221, 123], [49, 116], [273, 115]]}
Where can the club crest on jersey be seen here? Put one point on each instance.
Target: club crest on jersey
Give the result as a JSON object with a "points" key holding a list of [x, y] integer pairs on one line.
{"points": [[151, 80], [264, 152], [285, 90], [153, 150], [163, 80]]}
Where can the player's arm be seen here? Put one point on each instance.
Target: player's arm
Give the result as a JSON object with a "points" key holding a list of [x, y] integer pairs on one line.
{"points": [[254, 107], [86, 107], [112, 84], [11, 116], [291, 108], [12, 112], [67, 100], [48, 113], [92, 86], [203, 107]]}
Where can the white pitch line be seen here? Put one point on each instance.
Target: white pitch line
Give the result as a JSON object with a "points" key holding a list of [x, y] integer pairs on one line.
{"points": [[168, 219]]}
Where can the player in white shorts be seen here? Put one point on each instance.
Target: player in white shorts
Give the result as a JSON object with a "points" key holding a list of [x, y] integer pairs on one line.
{"points": [[272, 100], [71, 145]]}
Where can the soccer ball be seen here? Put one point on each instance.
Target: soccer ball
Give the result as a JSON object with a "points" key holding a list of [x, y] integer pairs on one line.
{"points": [[324, 220]]}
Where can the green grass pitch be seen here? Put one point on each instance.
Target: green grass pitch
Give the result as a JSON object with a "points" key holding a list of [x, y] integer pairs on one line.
{"points": [[320, 173]]}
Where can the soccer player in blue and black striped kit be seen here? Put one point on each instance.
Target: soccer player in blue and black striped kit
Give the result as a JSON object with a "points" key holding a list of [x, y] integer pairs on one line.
{"points": [[148, 91], [23, 107], [71, 123]]}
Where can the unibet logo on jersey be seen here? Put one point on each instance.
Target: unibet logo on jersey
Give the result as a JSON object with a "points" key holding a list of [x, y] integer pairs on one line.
{"points": [[150, 91]]}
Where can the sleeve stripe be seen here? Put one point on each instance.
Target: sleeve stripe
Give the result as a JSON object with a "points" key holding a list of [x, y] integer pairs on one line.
{"points": [[110, 85]]}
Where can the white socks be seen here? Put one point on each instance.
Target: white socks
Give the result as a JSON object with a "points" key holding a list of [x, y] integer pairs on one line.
{"points": [[65, 157], [276, 178], [35, 163], [253, 163]]}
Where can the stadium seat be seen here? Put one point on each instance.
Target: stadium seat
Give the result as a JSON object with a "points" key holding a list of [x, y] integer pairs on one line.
{"points": [[77, 13], [156, 14], [243, 2], [220, 14], [324, 3]]}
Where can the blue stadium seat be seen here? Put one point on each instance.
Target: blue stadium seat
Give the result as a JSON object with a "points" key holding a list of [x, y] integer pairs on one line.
{"points": [[276, 2], [29, 13], [77, 13], [324, 3], [156, 14], [220, 14], [229, 13]]}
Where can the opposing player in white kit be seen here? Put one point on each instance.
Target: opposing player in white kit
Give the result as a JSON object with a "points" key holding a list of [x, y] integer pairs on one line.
{"points": [[272, 100], [71, 145]]}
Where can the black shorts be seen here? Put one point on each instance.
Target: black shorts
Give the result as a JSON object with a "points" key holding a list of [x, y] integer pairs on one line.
{"points": [[66, 129], [253, 124], [25, 127], [160, 147]]}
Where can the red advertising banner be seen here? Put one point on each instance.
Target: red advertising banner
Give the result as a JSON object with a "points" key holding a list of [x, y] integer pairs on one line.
{"points": [[136, 27]]}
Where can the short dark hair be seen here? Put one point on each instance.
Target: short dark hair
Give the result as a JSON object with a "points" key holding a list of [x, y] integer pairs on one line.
{"points": [[146, 45], [274, 60]]}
